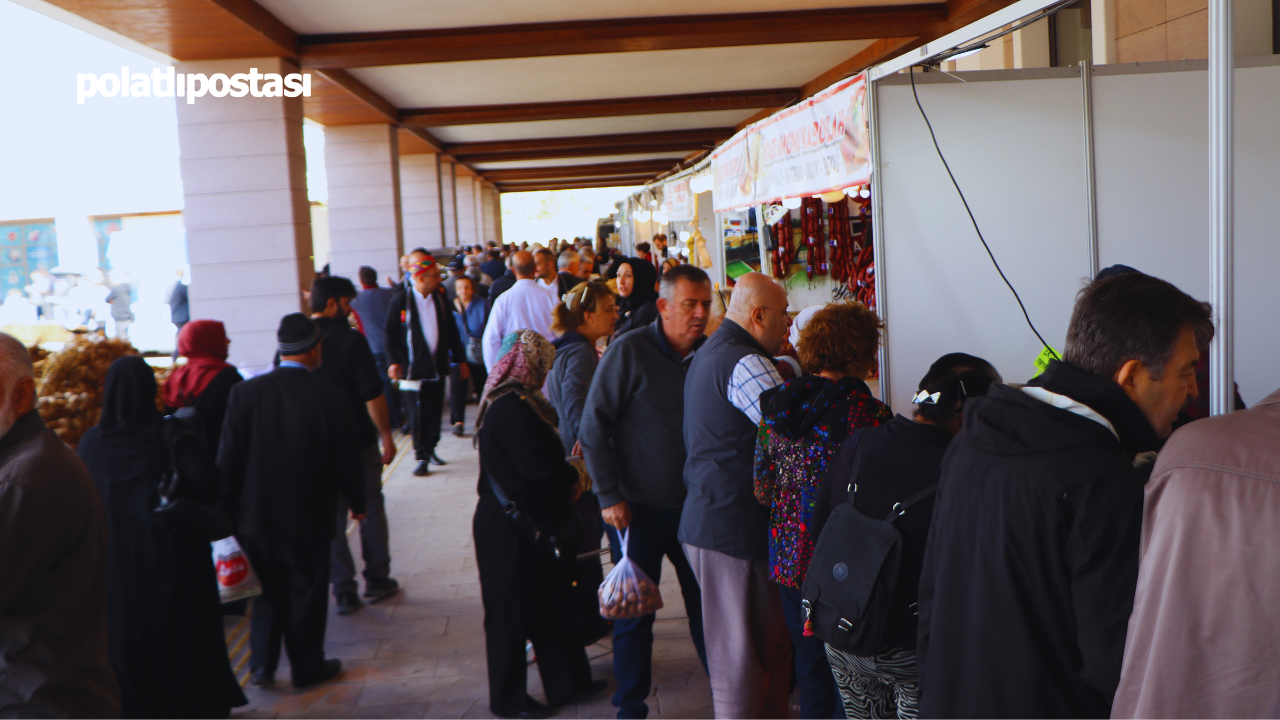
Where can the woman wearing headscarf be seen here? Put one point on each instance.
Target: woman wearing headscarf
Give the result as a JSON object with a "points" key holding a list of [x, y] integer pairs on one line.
{"points": [[638, 293], [165, 631], [527, 594], [803, 421], [205, 381]]}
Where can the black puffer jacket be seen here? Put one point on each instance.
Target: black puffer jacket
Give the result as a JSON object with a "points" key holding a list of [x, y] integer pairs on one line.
{"points": [[1032, 555]]}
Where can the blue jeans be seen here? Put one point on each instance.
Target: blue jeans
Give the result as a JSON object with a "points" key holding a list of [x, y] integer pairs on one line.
{"points": [[818, 695], [652, 535]]}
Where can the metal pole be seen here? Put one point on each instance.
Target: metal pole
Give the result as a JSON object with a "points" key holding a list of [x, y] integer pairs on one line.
{"points": [[1221, 204], [877, 232], [1090, 183]]}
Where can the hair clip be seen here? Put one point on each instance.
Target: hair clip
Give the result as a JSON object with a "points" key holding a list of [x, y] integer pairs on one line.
{"points": [[924, 398], [964, 392]]}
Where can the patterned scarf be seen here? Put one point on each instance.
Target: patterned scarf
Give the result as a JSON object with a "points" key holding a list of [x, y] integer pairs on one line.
{"points": [[525, 360]]}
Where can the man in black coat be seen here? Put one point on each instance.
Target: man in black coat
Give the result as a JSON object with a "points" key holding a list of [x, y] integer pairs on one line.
{"points": [[289, 447], [1032, 556], [422, 345]]}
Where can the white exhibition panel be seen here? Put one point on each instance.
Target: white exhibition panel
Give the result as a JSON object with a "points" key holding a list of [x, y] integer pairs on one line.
{"points": [[1016, 146], [1017, 150]]}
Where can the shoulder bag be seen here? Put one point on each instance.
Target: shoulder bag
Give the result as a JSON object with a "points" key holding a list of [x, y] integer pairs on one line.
{"points": [[848, 592], [176, 502]]}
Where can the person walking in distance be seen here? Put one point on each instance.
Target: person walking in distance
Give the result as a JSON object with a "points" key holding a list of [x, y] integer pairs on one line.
{"points": [[423, 346], [527, 305], [348, 363], [53, 558], [372, 304], [289, 447], [725, 531], [631, 440]]}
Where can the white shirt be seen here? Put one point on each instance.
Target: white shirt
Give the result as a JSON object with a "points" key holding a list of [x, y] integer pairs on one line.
{"points": [[553, 288], [751, 376], [426, 320], [527, 305]]}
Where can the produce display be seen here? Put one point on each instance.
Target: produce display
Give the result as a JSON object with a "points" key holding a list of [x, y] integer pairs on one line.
{"points": [[627, 592], [815, 238], [70, 383]]}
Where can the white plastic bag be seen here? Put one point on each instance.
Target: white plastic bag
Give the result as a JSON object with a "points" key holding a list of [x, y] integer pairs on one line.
{"points": [[236, 579], [627, 592]]}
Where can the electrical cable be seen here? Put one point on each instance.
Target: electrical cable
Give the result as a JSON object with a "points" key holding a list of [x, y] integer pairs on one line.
{"points": [[912, 72]]}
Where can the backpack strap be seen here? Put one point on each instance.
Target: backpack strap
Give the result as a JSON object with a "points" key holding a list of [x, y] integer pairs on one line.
{"points": [[857, 463], [900, 508]]}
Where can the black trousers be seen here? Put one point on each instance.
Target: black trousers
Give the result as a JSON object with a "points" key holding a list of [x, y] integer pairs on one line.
{"points": [[395, 406], [293, 605], [425, 409], [459, 391], [525, 599]]}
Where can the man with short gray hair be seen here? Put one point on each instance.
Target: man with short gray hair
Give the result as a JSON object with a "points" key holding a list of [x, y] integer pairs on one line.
{"points": [[567, 264], [53, 561]]}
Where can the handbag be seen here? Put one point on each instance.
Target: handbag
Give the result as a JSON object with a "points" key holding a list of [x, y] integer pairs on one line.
{"points": [[475, 351], [848, 592], [175, 488]]}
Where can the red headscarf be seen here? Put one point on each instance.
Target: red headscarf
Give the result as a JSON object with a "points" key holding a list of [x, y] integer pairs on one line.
{"points": [[204, 344]]}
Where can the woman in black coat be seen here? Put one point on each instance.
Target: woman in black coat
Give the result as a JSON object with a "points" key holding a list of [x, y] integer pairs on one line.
{"points": [[165, 631], [901, 457], [526, 594], [638, 295]]}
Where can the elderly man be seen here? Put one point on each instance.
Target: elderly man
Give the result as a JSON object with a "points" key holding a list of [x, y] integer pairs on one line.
{"points": [[630, 434], [503, 282], [423, 345], [53, 561], [527, 304], [1032, 557], [586, 262], [723, 528], [568, 263]]}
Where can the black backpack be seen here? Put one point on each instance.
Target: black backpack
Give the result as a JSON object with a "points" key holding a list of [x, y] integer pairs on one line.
{"points": [[849, 589]]}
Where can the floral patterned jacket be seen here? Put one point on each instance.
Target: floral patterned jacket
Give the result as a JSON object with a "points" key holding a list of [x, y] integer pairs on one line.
{"points": [[803, 422]]}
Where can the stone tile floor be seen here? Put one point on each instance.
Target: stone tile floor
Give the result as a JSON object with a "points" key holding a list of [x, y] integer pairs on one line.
{"points": [[420, 654]]}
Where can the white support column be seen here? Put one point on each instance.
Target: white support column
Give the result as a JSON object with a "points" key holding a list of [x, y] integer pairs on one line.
{"points": [[489, 219], [244, 177], [1221, 204], [1102, 16], [420, 201], [363, 165], [467, 219], [477, 201]]}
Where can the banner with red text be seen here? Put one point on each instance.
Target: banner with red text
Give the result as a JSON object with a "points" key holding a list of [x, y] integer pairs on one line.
{"points": [[819, 145], [678, 200]]}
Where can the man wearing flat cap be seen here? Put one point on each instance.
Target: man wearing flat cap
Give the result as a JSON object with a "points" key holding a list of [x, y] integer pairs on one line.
{"points": [[289, 447]]}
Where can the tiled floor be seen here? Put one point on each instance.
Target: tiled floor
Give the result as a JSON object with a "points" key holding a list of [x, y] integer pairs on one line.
{"points": [[421, 653]]}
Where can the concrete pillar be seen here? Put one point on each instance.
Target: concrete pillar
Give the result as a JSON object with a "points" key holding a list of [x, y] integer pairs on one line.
{"points": [[468, 220], [363, 164], [420, 201], [477, 200], [449, 201], [1031, 46], [487, 200], [244, 177]]}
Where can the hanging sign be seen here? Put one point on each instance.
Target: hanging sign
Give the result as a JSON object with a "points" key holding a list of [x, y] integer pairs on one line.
{"points": [[734, 175], [814, 147], [678, 199]]}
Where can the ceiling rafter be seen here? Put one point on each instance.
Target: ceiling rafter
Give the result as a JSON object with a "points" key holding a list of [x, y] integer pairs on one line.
{"points": [[612, 107], [576, 185], [644, 34], [694, 138], [640, 167]]}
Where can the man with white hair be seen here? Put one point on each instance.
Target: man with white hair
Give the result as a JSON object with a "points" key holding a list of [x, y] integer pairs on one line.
{"points": [[53, 561], [567, 264]]}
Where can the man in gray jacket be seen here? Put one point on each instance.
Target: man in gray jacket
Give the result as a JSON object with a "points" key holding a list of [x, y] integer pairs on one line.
{"points": [[631, 440]]}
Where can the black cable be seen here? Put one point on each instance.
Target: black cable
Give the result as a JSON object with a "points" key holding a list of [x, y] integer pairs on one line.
{"points": [[912, 72]]}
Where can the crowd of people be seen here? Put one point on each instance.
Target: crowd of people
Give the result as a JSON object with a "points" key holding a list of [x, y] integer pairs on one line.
{"points": [[1047, 549]]}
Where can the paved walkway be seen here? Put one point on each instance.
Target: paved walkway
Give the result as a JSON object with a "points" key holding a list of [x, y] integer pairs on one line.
{"points": [[421, 653]]}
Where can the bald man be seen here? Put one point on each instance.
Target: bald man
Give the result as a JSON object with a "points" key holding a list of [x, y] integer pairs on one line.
{"points": [[527, 305], [723, 529]]}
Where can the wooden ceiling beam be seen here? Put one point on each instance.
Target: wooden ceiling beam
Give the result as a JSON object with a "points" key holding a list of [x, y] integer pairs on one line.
{"points": [[615, 107], [649, 167], [494, 42], [694, 138], [572, 185], [674, 151]]}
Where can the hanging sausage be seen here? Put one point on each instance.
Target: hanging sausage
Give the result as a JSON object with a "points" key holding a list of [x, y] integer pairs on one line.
{"points": [[815, 240]]}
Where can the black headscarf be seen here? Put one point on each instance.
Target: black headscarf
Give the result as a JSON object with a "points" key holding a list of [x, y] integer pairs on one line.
{"points": [[642, 288], [129, 398]]}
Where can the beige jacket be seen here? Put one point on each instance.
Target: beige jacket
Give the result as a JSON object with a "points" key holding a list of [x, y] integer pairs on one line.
{"points": [[1204, 637]]}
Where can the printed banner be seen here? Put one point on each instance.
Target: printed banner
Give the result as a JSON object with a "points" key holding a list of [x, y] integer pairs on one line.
{"points": [[816, 146], [678, 200]]}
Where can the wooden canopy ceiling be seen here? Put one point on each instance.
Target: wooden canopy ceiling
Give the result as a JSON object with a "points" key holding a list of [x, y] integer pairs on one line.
{"points": [[534, 157]]}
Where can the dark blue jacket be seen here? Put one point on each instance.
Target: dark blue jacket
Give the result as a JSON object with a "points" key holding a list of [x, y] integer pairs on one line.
{"points": [[372, 304]]}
